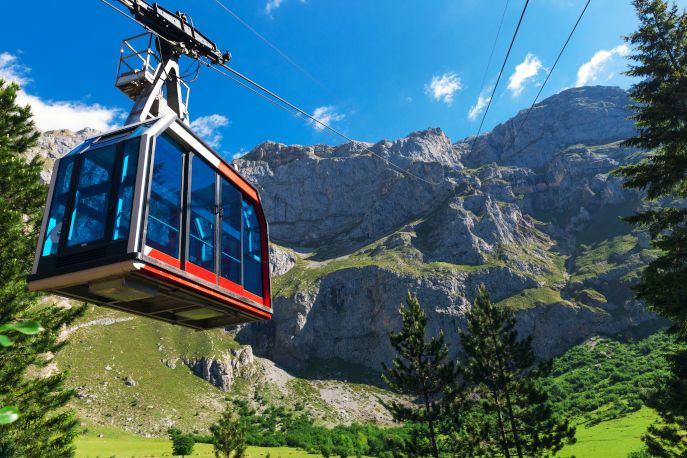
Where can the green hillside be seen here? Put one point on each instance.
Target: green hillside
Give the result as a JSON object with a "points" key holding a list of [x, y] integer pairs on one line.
{"points": [[129, 375], [600, 384], [100, 358]]}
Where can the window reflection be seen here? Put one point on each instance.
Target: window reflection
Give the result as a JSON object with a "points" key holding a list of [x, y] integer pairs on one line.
{"points": [[202, 221], [165, 198], [230, 267], [58, 207], [252, 256], [89, 215], [125, 195]]}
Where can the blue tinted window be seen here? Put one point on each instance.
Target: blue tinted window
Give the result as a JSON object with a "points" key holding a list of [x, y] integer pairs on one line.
{"points": [[165, 197], [125, 194], [230, 263], [57, 208], [89, 214], [252, 255], [202, 222]]}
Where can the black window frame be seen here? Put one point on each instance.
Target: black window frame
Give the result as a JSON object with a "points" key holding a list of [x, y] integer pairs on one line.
{"points": [[221, 214], [62, 247], [187, 213], [183, 202]]}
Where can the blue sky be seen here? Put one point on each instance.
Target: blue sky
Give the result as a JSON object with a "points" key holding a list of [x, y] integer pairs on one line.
{"points": [[381, 68]]}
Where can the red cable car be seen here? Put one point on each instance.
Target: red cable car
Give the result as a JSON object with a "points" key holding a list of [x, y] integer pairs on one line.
{"points": [[148, 219]]}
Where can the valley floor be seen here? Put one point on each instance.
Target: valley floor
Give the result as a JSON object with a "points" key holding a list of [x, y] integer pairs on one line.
{"points": [[124, 445], [609, 439]]}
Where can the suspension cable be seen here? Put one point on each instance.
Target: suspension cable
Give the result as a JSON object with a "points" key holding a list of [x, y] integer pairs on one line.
{"points": [[284, 104], [503, 66], [565, 45], [271, 45], [493, 47]]}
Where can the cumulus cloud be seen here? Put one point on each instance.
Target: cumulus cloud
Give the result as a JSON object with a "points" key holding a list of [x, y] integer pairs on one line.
{"points": [[208, 128], [327, 115], [272, 5], [478, 107], [443, 87], [525, 71], [591, 71], [51, 114]]}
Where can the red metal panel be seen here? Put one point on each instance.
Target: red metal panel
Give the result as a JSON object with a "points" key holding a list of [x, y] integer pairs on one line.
{"points": [[200, 272], [167, 259], [239, 181], [238, 289], [169, 277], [265, 256]]}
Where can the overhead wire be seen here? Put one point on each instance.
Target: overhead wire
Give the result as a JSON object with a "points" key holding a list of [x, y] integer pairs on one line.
{"points": [[503, 66], [565, 45], [274, 47], [541, 88], [298, 112], [493, 47], [281, 102]]}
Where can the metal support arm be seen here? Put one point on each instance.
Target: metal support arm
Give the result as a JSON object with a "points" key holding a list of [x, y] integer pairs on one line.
{"points": [[177, 37]]}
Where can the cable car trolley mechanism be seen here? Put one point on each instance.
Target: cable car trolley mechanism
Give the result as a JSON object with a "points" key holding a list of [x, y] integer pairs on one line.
{"points": [[147, 218]]}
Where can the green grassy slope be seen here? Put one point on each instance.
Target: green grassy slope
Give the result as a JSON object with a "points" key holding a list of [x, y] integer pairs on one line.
{"points": [[100, 357], [106, 348], [119, 444], [611, 439], [614, 438]]}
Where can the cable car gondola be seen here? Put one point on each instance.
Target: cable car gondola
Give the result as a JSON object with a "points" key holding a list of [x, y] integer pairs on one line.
{"points": [[147, 218]]}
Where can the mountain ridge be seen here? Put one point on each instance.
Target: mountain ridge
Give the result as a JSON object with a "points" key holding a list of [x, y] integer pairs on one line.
{"points": [[510, 210], [353, 235]]}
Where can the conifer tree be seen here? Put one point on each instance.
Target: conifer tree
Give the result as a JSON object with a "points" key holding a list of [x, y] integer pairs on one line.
{"points": [[229, 435], [421, 369], [517, 418], [660, 113], [44, 428], [182, 444]]}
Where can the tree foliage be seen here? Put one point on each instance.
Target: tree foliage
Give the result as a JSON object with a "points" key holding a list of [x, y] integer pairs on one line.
{"points": [[45, 427], [517, 417], [229, 435], [422, 369], [277, 426], [182, 444], [660, 113]]}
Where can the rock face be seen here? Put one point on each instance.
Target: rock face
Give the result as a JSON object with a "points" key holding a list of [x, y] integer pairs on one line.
{"points": [[528, 209], [345, 193], [568, 118], [222, 371]]}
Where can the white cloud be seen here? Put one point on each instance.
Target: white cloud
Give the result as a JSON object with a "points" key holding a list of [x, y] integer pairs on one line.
{"points": [[478, 107], [443, 87], [207, 127], [11, 70], [327, 115], [525, 71], [590, 71], [50, 114], [272, 5]]}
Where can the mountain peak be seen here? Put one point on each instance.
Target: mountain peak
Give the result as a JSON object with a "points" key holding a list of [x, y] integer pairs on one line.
{"points": [[590, 115]]}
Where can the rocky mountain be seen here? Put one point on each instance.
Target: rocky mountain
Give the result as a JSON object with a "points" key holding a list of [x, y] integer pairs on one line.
{"points": [[528, 209]]}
